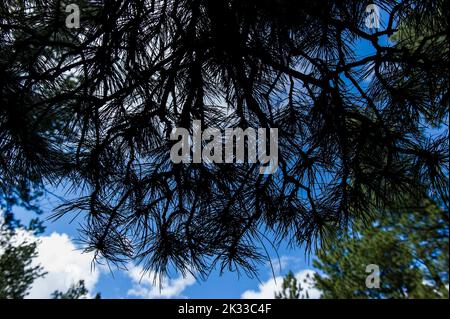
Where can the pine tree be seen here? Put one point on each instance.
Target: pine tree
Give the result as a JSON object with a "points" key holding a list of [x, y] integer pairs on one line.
{"points": [[292, 289], [17, 273], [351, 128], [410, 247], [18, 249], [78, 291]]}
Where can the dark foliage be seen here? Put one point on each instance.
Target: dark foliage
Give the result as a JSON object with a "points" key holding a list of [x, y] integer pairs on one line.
{"points": [[17, 271], [292, 289], [78, 291], [410, 247], [94, 107]]}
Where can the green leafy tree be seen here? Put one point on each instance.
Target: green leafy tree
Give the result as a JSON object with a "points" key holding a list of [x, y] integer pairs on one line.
{"points": [[292, 289], [16, 270], [77, 291], [409, 246], [17, 273], [411, 249], [430, 42], [135, 70]]}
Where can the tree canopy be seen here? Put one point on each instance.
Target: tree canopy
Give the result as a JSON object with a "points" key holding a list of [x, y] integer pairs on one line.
{"points": [[409, 246], [19, 248], [93, 107], [17, 273], [292, 289], [77, 291]]}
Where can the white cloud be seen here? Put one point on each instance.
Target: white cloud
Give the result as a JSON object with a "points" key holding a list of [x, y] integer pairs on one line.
{"points": [[65, 266], [267, 289], [280, 264], [145, 285]]}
